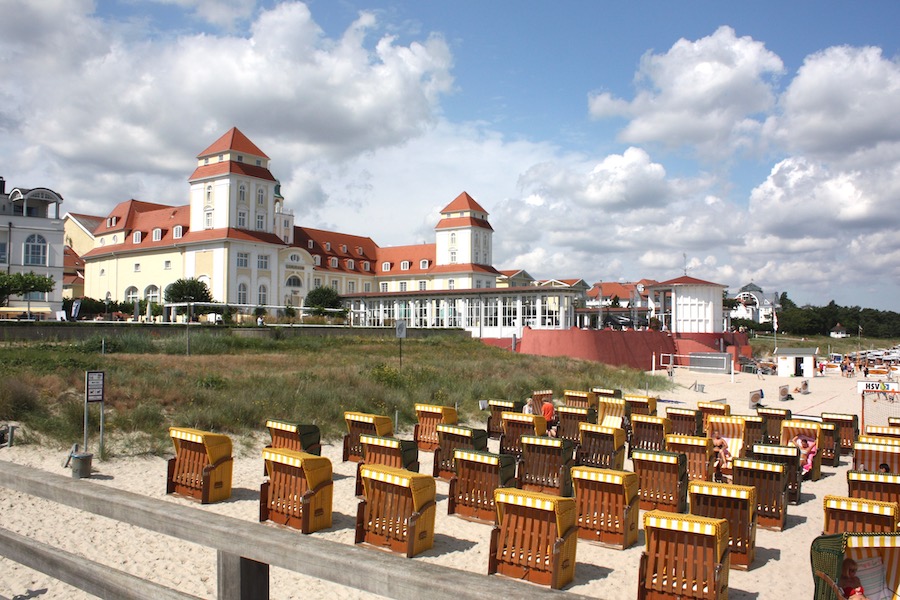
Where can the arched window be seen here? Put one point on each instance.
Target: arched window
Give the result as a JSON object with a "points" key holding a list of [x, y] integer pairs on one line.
{"points": [[242, 293], [35, 250], [404, 265], [208, 219], [131, 294], [151, 294], [317, 260], [177, 232], [209, 195], [242, 194], [333, 262], [452, 240], [263, 295], [260, 197], [294, 282]]}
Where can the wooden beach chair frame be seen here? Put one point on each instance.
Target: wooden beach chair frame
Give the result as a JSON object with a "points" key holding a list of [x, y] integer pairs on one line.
{"points": [[813, 429], [789, 456], [430, 416], [452, 438], [534, 538], [649, 432], [774, 417], [662, 478], [848, 428], [363, 423], [515, 425], [884, 487], [580, 399], [601, 447], [859, 515], [708, 409], [546, 465], [736, 504], [496, 408], [698, 451], [202, 466], [302, 437], [478, 474], [387, 451], [299, 490], [868, 456], [607, 506], [569, 418], [685, 421], [771, 483]]}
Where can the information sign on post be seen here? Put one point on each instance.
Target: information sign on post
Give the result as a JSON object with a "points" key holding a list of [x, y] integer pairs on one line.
{"points": [[94, 391], [400, 329]]}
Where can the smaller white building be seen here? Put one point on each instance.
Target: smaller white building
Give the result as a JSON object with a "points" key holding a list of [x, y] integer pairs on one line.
{"points": [[688, 305], [795, 362]]}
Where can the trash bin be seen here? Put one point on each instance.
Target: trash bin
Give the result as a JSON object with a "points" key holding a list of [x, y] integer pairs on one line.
{"points": [[81, 464]]}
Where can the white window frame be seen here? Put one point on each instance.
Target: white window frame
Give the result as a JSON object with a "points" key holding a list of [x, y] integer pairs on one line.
{"points": [[404, 265], [242, 219], [384, 286], [136, 237], [423, 264], [243, 260], [34, 252], [402, 286], [177, 232], [262, 262], [423, 285], [242, 293], [157, 234], [263, 295], [385, 266], [350, 264], [333, 262]]}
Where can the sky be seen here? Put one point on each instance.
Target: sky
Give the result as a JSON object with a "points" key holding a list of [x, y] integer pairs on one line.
{"points": [[608, 141]]}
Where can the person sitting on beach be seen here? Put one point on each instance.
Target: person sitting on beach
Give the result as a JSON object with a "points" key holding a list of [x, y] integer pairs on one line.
{"points": [[723, 454], [808, 449], [849, 583], [884, 468], [532, 406]]}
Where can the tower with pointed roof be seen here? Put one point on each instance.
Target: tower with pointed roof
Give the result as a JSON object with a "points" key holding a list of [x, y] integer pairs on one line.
{"points": [[463, 235], [232, 187]]}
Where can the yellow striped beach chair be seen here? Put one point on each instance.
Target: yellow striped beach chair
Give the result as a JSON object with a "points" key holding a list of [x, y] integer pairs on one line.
{"points": [[600, 446], [387, 451], [734, 431], [359, 423], [515, 425], [771, 484], [662, 478], [708, 409], [846, 514], [295, 436], [535, 537], [868, 457], [398, 510], [686, 556], [774, 417], [299, 490], [883, 431], [570, 417], [451, 438], [614, 412], [789, 456], [848, 428], [794, 427], [884, 487], [580, 399], [496, 408], [202, 466], [546, 465], [685, 421], [430, 416], [877, 556], [698, 451], [640, 405], [607, 506], [478, 474], [649, 432], [737, 505]]}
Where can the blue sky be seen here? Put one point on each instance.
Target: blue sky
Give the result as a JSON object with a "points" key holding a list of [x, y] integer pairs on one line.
{"points": [[608, 141]]}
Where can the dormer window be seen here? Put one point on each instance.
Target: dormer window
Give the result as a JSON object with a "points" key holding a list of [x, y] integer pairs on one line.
{"points": [[328, 246], [221, 157], [136, 237], [385, 266], [240, 158], [258, 162], [310, 244], [423, 264], [157, 234], [359, 250], [404, 266], [177, 232], [365, 265], [333, 262], [343, 247], [350, 264], [206, 161], [317, 260]]}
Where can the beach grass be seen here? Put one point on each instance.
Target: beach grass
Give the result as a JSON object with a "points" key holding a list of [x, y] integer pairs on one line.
{"points": [[234, 385]]}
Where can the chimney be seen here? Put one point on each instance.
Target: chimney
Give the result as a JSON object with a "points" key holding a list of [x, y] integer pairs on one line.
{"points": [[2, 185]]}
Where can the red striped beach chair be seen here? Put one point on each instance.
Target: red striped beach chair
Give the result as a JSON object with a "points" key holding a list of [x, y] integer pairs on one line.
{"points": [[774, 417], [771, 483], [607, 506], [662, 478], [451, 438], [359, 423], [686, 557], [299, 490], [698, 451], [848, 428], [868, 457], [580, 399], [478, 474], [515, 425], [794, 427], [883, 431], [846, 514], [534, 538], [430, 416], [685, 421], [496, 408], [601, 447], [398, 510], [875, 439], [202, 466], [737, 505], [708, 409]]}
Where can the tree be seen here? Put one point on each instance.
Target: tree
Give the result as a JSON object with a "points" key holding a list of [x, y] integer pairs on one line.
{"points": [[188, 290], [323, 298], [23, 284]]}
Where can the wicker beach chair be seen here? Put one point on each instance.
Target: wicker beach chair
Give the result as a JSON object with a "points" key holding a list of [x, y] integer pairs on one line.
{"points": [[848, 428], [794, 427], [771, 483], [846, 514], [737, 505], [299, 490], [295, 436], [698, 451], [884, 487], [878, 563], [387, 451], [546, 465], [649, 432], [202, 466], [534, 538], [430, 416], [580, 399], [472, 487], [640, 405], [496, 408], [451, 438], [569, 420], [685, 421], [789, 456], [601, 447], [363, 423], [708, 409], [774, 417], [515, 425], [662, 478], [607, 506]]}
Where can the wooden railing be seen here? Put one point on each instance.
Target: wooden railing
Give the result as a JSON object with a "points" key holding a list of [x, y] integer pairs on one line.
{"points": [[239, 577]]}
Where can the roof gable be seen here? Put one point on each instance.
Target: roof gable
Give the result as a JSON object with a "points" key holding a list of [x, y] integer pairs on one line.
{"points": [[463, 202], [233, 139]]}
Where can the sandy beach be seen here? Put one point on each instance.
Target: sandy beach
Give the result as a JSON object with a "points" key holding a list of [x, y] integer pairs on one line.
{"points": [[782, 558]]}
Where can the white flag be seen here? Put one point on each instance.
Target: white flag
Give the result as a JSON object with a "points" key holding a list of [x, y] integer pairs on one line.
{"points": [[774, 321]]}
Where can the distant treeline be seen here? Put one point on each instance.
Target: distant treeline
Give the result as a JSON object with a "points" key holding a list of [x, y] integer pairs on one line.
{"points": [[820, 320]]}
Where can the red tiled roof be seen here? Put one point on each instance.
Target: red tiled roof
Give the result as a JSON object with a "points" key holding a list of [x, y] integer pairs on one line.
{"points": [[233, 139], [463, 202], [89, 222], [454, 222], [125, 213], [71, 260], [415, 254], [231, 166]]}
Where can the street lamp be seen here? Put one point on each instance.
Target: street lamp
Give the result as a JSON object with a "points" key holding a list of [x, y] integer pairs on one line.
{"points": [[108, 298]]}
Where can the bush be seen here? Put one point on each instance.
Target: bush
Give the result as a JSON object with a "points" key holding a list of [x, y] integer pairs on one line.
{"points": [[17, 400]]}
